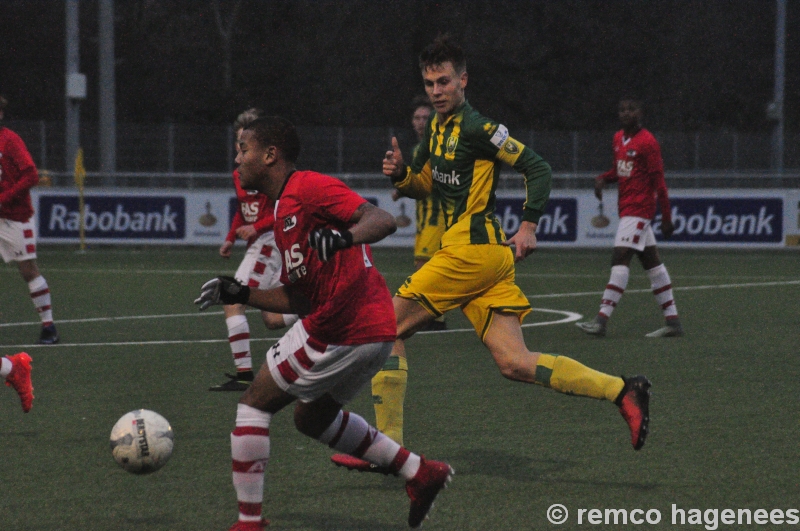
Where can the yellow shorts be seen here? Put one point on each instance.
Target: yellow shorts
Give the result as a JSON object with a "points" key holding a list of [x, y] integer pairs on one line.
{"points": [[428, 241], [477, 278]]}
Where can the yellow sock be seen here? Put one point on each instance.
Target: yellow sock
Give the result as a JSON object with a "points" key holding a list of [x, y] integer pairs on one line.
{"points": [[388, 394], [566, 375]]}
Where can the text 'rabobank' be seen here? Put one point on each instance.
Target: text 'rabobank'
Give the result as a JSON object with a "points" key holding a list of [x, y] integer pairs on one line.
{"points": [[114, 217]]}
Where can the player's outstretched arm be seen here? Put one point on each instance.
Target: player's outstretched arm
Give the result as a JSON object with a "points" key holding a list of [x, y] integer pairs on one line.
{"points": [[228, 291], [369, 225]]}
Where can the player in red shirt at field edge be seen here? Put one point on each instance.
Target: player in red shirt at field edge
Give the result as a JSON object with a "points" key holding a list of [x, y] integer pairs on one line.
{"points": [[322, 230], [17, 229], [639, 171]]}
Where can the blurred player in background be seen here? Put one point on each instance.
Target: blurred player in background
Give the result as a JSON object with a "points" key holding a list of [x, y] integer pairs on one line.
{"points": [[639, 171], [17, 229], [345, 336], [16, 370], [260, 268], [474, 269]]}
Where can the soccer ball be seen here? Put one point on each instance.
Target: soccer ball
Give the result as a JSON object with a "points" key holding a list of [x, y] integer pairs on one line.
{"points": [[141, 441]]}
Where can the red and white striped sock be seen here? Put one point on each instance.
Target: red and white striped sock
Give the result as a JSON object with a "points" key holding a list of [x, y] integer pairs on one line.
{"points": [[662, 289], [239, 338], [250, 453], [614, 290], [40, 295], [351, 434]]}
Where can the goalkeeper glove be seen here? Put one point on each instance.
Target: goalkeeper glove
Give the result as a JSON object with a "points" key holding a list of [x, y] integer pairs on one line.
{"points": [[222, 290], [328, 241]]}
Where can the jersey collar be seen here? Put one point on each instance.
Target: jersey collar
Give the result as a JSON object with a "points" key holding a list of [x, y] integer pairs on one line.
{"points": [[285, 182]]}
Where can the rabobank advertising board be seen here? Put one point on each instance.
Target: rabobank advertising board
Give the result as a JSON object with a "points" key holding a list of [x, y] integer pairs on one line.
{"points": [[702, 218]]}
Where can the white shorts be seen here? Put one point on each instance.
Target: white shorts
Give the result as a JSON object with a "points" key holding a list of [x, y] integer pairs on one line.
{"points": [[17, 240], [304, 368], [635, 233], [261, 265]]}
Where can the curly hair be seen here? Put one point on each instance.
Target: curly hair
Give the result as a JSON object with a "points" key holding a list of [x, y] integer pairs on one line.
{"points": [[278, 132], [442, 50]]}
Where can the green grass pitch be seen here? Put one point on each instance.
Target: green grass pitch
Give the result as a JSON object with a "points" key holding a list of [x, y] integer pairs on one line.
{"points": [[725, 429]]}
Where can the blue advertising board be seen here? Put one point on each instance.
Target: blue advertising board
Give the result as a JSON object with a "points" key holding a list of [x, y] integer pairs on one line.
{"points": [[558, 224], [117, 217], [726, 220]]}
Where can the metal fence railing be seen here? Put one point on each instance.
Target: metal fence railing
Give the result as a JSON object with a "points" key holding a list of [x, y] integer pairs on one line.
{"points": [[203, 149]]}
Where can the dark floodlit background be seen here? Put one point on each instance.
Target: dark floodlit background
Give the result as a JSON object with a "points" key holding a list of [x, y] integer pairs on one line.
{"points": [[554, 66]]}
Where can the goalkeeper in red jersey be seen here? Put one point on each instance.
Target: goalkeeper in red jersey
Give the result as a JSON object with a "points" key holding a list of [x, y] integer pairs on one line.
{"points": [[639, 173]]}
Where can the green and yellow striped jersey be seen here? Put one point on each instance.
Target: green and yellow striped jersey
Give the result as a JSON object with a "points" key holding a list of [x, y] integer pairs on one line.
{"points": [[427, 209], [458, 163]]}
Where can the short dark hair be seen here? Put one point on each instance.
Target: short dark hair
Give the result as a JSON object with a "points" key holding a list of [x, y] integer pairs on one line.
{"points": [[440, 51], [247, 117], [635, 98], [278, 132], [420, 101]]}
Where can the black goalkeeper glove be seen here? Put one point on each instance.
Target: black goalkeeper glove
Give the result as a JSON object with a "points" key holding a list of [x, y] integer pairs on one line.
{"points": [[328, 241], [222, 290]]}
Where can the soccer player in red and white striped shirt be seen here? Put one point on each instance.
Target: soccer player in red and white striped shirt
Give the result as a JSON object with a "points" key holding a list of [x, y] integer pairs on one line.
{"points": [[17, 229], [639, 171]]}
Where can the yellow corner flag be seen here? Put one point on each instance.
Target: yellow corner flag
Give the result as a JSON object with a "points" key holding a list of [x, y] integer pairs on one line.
{"points": [[80, 180], [80, 170]]}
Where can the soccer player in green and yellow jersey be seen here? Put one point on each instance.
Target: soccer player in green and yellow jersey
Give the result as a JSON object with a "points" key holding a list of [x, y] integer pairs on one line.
{"points": [[474, 269]]}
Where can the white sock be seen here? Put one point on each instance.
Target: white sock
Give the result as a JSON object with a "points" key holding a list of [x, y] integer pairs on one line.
{"points": [[250, 453], [662, 289], [351, 434], [239, 338], [5, 367], [40, 295], [614, 290]]}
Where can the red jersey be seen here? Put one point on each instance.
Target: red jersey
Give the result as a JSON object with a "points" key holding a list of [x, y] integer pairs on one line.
{"points": [[17, 176], [639, 169], [350, 303], [254, 209]]}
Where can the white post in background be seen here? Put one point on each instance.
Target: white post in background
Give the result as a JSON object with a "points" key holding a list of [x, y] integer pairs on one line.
{"points": [[107, 96], [75, 84], [775, 109]]}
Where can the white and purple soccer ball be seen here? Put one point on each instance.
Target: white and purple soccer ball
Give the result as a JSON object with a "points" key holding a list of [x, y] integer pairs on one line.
{"points": [[142, 441]]}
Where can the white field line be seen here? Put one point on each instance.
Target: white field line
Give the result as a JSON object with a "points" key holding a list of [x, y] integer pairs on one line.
{"points": [[569, 317], [214, 272]]}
